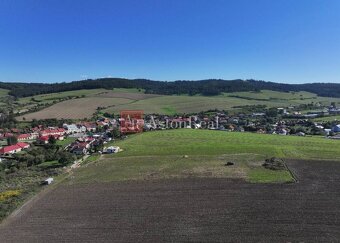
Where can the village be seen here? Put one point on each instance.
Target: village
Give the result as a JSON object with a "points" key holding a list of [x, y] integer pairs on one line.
{"points": [[77, 139], [86, 137], [35, 154]]}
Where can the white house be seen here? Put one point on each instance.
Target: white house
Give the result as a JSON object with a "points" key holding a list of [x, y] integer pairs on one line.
{"points": [[73, 128], [112, 149]]}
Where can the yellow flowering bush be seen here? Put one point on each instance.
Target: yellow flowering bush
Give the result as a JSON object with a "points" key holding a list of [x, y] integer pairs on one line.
{"points": [[8, 194]]}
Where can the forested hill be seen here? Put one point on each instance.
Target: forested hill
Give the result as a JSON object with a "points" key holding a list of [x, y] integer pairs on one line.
{"points": [[204, 87]]}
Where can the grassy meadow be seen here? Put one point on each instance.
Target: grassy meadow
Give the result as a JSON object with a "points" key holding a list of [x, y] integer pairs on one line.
{"points": [[186, 153], [327, 119], [3, 92], [3, 96]]}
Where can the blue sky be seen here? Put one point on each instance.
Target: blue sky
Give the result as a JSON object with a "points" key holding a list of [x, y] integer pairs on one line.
{"points": [[291, 41]]}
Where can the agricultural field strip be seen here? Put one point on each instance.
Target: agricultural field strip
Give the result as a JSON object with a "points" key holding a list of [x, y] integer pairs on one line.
{"points": [[178, 210], [201, 142], [182, 103], [184, 153]]}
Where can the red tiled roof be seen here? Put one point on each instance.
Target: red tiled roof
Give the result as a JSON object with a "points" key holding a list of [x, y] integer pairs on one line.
{"points": [[51, 131], [11, 148], [22, 145], [8, 149], [8, 134], [24, 136], [44, 138], [15, 130], [90, 125]]}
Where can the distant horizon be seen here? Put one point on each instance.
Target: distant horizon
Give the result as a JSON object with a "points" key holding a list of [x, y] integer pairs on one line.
{"points": [[193, 80], [283, 41]]}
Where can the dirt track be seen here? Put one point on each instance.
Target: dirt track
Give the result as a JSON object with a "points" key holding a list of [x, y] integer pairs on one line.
{"points": [[188, 210]]}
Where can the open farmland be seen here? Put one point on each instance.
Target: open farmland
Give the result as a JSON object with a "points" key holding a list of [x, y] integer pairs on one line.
{"points": [[60, 95], [186, 104], [132, 99], [272, 95], [183, 210], [327, 118], [28, 103], [151, 192], [74, 109], [159, 155]]}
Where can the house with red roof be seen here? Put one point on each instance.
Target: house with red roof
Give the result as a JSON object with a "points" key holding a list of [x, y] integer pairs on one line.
{"points": [[25, 137], [45, 139], [12, 149], [55, 131], [15, 130], [23, 145], [6, 135], [90, 127]]}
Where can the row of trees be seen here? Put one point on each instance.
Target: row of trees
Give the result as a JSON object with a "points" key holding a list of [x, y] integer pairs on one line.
{"points": [[7, 119], [204, 87]]}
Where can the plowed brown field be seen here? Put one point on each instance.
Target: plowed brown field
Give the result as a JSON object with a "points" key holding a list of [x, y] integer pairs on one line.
{"points": [[182, 210]]}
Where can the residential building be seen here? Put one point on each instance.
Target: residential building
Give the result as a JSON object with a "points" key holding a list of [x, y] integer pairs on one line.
{"points": [[52, 131], [12, 149], [73, 128]]}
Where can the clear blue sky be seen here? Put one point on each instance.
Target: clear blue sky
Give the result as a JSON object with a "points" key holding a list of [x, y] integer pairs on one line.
{"points": [[291, 41]]}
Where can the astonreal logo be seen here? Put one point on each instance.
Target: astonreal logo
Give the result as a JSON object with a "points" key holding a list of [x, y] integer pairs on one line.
{"points": [[131, 121]]}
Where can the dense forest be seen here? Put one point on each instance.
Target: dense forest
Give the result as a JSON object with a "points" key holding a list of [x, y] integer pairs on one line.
{"points": [[205, 87]]}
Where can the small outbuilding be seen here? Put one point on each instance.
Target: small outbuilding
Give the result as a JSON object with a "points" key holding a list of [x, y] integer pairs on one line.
{"points": [[112, 150], [48, 181]]}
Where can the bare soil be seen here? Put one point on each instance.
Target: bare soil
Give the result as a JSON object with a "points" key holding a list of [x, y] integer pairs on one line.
{"points": [[195, 210]]}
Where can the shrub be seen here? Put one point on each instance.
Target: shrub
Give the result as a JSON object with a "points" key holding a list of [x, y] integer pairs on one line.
{"points": [[9, 194], [274, 164]]}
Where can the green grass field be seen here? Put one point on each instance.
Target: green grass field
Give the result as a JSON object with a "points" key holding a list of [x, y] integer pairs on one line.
{"points": [[60, 95], [66, 141], [3, 92], [273, 95], [327, 119], [3, 97], [122, 90], [202, 153]]}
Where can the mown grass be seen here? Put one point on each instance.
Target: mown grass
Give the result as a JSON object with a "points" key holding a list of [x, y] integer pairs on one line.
{"points": [[66, 141], [92, 158], [327, 119], [206, 142], [169, 110], [262, 175], [201, 153]]}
